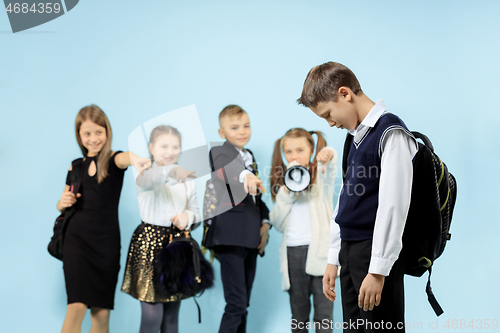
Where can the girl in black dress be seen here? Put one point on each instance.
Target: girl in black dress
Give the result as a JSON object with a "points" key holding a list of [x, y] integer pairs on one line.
{"points": [[92, 241]]}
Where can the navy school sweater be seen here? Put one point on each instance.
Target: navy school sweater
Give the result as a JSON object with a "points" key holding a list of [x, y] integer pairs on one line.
{"points": [[358, 201]]}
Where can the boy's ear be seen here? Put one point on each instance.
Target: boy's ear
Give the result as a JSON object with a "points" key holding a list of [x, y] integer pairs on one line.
{"points": [[346, 93], [150, 147], [221, 133]]}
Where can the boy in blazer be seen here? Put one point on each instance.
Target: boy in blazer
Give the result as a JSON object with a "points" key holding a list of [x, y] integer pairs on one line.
{"points": [[240, 229]]}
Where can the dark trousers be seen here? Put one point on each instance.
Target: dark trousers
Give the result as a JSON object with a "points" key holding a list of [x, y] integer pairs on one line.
{"points": [[302, 286], [238, 266], [355, 259]]}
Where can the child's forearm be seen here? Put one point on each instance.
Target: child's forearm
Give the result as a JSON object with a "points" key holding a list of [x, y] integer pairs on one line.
{"points": [[334, 244], [59, 207], [192, 218], [150, 178], [193, 206], [327, 180], [329, 175], [281, 210], [123, 160]]}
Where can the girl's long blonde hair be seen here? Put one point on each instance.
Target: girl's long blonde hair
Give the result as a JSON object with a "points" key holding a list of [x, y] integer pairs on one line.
{"points": [[278, 167], [97, 116]]}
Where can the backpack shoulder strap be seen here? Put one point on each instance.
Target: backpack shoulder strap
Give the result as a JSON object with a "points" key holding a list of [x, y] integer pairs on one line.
{"points": [[425, 140], [77, 173], [211, 161], [251, 153], [225, 177], [347, 148]]}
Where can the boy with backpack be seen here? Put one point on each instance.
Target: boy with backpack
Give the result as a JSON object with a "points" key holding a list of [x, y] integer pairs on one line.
{"points": [[369, 218]]}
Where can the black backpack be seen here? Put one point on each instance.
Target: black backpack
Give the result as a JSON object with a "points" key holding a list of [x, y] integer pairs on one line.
{"points": [[433, 196], [55, 246], [209, 206]]}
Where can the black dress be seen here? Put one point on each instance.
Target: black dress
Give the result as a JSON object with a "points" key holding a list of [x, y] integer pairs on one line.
{"points": [[92, 242]]}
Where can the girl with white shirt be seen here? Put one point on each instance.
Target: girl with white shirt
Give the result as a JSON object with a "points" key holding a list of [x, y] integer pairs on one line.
{"points": [[304, 219], [166, 203]]}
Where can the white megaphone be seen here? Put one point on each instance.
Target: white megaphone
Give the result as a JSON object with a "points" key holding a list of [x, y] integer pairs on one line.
{"points": [[297, 178]]}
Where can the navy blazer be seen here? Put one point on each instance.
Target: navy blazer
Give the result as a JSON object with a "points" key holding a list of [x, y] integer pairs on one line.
{"points": [[238, 218]]}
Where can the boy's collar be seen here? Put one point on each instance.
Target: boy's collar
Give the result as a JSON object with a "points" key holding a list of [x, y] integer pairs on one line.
{"points": [[238, 149], [372, 117]]}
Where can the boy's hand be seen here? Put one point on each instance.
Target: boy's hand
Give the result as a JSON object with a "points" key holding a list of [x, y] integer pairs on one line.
{"points": [[181, 174], [371, 291], [264, 229], [324, 156], [252, 182], [329, 282], [180, 220]]}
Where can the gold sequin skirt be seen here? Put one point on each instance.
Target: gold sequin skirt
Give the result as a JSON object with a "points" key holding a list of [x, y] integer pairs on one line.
{"points": [[138, 281]]}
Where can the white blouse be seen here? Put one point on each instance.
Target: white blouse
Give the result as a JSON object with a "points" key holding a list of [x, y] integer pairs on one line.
{"points": [[299, 222], [162, 197]]}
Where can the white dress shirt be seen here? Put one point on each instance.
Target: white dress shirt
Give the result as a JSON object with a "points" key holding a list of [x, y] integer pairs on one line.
{"points": [[396, 175], [248, 160]]}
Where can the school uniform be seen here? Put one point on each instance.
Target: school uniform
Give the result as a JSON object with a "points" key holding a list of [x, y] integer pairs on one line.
{"points": [[369, 218], [235, 232], [160, 198]]}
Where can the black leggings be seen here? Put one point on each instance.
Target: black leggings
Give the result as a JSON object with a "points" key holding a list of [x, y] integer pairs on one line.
{"points": [[156, 316]]}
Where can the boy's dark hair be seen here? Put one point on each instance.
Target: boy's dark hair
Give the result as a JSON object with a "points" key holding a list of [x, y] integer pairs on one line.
{"points": [[323, 82], [231, 111]]}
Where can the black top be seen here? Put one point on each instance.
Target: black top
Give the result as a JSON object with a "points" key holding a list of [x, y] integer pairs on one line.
{"points": [[92, 240]]}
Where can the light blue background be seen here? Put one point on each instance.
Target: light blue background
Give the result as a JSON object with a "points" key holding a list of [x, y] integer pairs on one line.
{"points": [[435, 64]]}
